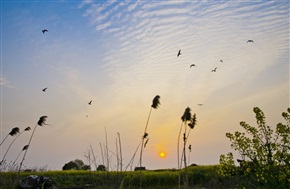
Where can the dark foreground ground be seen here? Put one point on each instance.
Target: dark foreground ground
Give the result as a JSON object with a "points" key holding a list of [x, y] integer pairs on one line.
{"points": [[199, 177]]}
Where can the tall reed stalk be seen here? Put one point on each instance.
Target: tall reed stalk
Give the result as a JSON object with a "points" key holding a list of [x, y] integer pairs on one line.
{"points": [[191, 125], [120, 148], [13, 132], [155, 105], [40, 122], [102, 153], [26, 129], [117, 155], [24, 148], [107, 150], [133, 157], [94, 157], [184, 118]]}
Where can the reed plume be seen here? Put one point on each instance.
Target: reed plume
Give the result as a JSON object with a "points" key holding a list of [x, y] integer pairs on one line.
{"points": [[155, 105], [13, 132], [40, 122], [191, 125], [184, 118]]}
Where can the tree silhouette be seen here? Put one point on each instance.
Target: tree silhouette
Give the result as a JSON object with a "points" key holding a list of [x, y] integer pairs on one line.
{"points": [[76, 164], [101, 168]]}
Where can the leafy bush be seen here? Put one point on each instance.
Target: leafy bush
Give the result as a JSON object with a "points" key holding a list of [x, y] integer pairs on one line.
{"points": [[265, 153]]}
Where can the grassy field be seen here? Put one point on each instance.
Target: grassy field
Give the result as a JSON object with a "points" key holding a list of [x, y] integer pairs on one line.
{"points": [[199, 177]]}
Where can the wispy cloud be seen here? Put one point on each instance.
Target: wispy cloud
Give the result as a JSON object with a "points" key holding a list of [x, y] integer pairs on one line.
{"points": [[152, 37], [5, 82]]}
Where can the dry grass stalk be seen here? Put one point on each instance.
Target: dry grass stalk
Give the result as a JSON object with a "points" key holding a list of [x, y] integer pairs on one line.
{"points": [[14, 132], [40, 122], [155, 105]]}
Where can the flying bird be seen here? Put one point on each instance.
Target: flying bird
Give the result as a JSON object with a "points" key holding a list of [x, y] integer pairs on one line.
{"points": [[200, 104], [45, 30], [90, 103], [44, 89], [250, 41], [214, 70], [221, 61], [179, 53], [192, 65]]}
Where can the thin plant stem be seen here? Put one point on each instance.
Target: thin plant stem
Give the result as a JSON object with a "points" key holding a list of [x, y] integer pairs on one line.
{"points": [[188, 157], [183, 151], [120, 148], [17, 158], [107, 149], [102, 153], [142, 147], [185, 165], [141, 152], [178, 162], [27, 149], [117, 152], [4, 139], [94, 160], [132, 159], [10, 146], [178, 146]]}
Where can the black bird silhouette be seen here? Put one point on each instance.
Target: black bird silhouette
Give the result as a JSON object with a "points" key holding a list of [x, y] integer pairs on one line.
{"points": [[200, 104], [90, 103], [214, 70], [179, 53], [250, 41], [44, 89], [45, 30], [192, 65], [221, 61]]}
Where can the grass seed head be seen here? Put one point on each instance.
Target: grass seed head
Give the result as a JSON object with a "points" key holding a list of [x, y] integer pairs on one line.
{"points": [[146, 142], [156, 102], [145, 135], [25, 147], [192, 121], [42, 120], [14, 131], [186, 115], [27, 129]]}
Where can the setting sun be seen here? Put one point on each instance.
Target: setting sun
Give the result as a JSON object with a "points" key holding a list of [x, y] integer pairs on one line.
{"points": [[162, 154]]}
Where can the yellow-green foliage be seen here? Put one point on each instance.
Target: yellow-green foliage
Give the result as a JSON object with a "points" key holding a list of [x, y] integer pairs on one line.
{"points": [[198, 176]]}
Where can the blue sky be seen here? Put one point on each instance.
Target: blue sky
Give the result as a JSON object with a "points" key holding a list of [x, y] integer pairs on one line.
{"points": [[120, 54]]}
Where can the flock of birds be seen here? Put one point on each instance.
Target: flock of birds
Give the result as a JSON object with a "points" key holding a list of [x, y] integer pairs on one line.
{"points": [[44, 89], [178, 54], [213, 70]]}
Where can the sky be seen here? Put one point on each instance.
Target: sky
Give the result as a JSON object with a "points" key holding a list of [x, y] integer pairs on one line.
{"points": [[120, 55]]}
